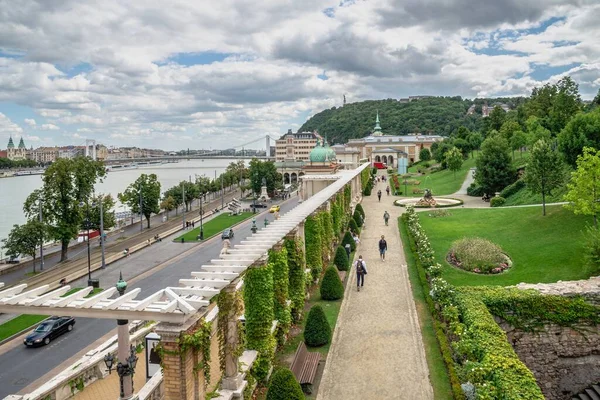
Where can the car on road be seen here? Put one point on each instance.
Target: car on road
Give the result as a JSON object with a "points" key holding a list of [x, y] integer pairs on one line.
{"points": [[49, 330], [227, 234], [274, 209]]}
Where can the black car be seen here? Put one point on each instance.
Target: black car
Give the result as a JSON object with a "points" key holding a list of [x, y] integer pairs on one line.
{"points": [[49, 330], [227, 234]]}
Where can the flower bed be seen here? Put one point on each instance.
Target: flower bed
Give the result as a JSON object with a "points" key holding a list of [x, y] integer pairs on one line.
{"points": [[478, 255]]}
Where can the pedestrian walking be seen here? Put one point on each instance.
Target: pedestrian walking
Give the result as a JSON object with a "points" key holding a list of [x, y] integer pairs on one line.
{"points": [[386, 217], [348, 249], [361, 271], [379, 194], [387, 189], [382, 248]]}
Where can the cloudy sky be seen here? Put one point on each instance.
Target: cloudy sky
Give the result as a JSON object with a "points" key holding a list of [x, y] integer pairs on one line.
{"points": [[202, 74]]}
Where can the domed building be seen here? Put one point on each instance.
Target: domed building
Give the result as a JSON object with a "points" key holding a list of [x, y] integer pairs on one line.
{"points": [[320, 169], [16, 153]]}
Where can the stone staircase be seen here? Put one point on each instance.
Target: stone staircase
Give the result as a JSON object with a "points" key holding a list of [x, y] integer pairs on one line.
{"points": [[591, 393]]}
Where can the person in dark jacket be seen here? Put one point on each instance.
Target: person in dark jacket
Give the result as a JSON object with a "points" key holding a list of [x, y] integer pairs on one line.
{"points": [[382, 248], [361, 271]]}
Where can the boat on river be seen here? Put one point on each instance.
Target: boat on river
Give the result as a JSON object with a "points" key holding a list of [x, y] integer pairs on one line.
{"points": [[121, 167]]}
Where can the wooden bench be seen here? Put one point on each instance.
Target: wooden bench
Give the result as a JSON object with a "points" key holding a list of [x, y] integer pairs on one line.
{"points": [[304, 366]]}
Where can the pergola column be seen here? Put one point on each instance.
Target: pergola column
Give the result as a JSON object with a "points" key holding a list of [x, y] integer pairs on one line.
{"points": [[232, 378], [181, 382]]}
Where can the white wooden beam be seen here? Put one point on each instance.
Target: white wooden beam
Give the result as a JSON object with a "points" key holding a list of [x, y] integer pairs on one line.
{"points": [[113, 304], [92, 301], [73, 296], [45, 297], [12, 291], [30, 293]]}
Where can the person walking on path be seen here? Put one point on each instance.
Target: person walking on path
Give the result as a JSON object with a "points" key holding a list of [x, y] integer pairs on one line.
{"points": [[387, 189], [379, 194], [386, 217], [382, 248], [361, 271]]}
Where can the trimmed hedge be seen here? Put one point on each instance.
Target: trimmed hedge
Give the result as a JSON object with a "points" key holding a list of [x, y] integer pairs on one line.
{"points": [[512, 188], [317, 331], [497, 201], [284, 386], [341, 259], [475, 190], [353, 226], [349, 240], [331, 286], [358, 218], [360, 209]]}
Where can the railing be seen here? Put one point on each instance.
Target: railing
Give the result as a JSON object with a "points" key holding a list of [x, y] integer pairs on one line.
{"points": [[153, 389], [88, 369]]}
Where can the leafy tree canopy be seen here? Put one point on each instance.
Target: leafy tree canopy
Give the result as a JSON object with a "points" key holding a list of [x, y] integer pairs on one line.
{"points": [[148, 188], [583, 130]]}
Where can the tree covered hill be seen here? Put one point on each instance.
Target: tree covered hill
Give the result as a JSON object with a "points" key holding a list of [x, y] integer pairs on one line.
{"points": [[435, 115]]}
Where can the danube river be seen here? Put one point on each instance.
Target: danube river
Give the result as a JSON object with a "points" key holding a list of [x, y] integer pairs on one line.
{"points": [[14, 191]]}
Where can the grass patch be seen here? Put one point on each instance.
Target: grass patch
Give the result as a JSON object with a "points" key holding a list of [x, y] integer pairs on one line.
{"points": [[214, 226], [442, 183], [524, 196], [19, 324], [543, 249], [437, 367], [31, 273], [94, 292]]}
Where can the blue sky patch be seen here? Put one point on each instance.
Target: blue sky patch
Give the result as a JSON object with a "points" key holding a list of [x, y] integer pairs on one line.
{"points": [[323, 76], [542, 72], [78, 69], [330, 12], [203, 58]]}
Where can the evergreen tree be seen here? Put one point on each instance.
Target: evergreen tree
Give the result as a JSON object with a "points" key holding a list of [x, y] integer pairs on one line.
{"points": [[494, 167], [317, 331]]}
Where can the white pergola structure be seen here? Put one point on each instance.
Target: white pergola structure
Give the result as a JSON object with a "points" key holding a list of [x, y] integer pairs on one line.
{"points": [[172, 304]]}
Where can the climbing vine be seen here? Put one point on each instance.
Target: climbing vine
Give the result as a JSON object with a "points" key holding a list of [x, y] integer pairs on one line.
{"points": [[296, 288], [229, 303], [326, 235], [279, 263], [197, 341], [335, 216], [364, 177], [312, 238], [347, 197], [258, 304]]}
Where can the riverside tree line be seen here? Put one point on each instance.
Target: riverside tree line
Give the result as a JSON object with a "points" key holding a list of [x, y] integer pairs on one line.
{"points": [[58, 211]]}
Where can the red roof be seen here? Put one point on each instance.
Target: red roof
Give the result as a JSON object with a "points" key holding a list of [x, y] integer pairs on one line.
{"points": [[3, 154]]}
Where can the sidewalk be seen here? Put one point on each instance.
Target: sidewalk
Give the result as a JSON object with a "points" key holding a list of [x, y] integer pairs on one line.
{"points": [[377, 350]]}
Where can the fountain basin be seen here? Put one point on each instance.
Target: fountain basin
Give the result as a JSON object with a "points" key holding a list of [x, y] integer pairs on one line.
{"points": [[440, 202]]}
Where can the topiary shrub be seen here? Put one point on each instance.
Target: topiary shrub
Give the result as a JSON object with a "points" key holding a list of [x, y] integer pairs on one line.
{"points": [[353, 226], [341, 259], [358, 218], [475, 190], [497, 201], [331, 285], [284, 386], [317, 331], [349, 240], [360, 209]]}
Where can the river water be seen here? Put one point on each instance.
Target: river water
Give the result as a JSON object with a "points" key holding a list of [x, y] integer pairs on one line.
{"points": [[14, 190]]}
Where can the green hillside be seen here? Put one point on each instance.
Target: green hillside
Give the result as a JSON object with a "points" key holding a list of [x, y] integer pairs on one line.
{"points": [[436, 115]]}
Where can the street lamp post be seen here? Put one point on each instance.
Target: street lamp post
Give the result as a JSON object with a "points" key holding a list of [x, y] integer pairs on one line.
{"points": [[126, 352], [183, 197], [141, 213], [201, 212], [102, 234], [87, 227], [42, 241]]}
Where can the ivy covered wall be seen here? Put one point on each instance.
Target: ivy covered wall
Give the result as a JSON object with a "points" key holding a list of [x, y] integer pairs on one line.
{"points": [[296, 288], [258, 304], [279, 263], [313, 242]]}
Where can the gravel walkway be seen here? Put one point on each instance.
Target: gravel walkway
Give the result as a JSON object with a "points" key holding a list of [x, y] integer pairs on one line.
{"points": [[377, 350]]}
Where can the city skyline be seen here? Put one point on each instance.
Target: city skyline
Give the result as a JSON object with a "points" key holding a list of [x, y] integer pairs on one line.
{"points": [[199, 76]]}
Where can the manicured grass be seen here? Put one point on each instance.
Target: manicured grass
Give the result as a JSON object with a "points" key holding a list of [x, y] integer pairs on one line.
{"points": [[543, 249], [94, 291], [214, 226], [437, 368], [441, 183], [524, 196], [18, 324]]}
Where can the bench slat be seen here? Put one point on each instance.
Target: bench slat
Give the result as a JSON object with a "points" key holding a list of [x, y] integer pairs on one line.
{"points": [[305, 363]]}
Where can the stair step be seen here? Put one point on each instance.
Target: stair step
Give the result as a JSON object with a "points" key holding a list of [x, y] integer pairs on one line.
{"points": [[592, 393], [596, 388], [584, 396]]}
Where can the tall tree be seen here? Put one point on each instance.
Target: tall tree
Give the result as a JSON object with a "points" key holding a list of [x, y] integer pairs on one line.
{"points": [[517, 142], [66, 183], [535, 131], [148, 187], [494, 167], [545, 171], [565, 104], [475, 139], [454, 160], [497, 118], [25, 239], [168, 204], [583, 130], [108, 214], [583, 192], [424, 154], [263, 169], [509, 128]]}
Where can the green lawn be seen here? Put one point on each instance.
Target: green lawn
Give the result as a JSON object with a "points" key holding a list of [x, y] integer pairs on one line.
{"points": [[543, 249], [23, 322], [437, 368], [442, 183], [524, 196], [214, 226]]}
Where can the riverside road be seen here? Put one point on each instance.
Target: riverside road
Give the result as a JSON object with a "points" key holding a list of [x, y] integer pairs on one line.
{"points": [[20, 367]]}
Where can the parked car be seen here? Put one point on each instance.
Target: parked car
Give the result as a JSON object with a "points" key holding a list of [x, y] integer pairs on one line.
{"points": [[274, 209], [49, 330], [227, 234], [14, 260]]}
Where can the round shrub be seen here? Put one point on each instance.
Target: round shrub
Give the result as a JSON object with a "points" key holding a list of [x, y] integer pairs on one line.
{"points": [[475, 190], [331, 285], [353, 226], [348, 240], [360, 209], [317, 331], [341, 259], [497, 201], [478, 255], [358, 218], [284, 386]]}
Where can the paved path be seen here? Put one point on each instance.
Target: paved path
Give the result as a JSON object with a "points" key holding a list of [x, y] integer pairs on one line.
{"points": [[377, 350]]}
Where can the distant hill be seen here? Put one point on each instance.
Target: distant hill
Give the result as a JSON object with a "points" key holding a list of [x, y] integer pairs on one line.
{"points": [[435, 115]]}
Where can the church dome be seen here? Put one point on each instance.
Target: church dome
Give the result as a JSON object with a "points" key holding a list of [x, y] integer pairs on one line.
{"points": [[331, 156], [318, 154]]}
